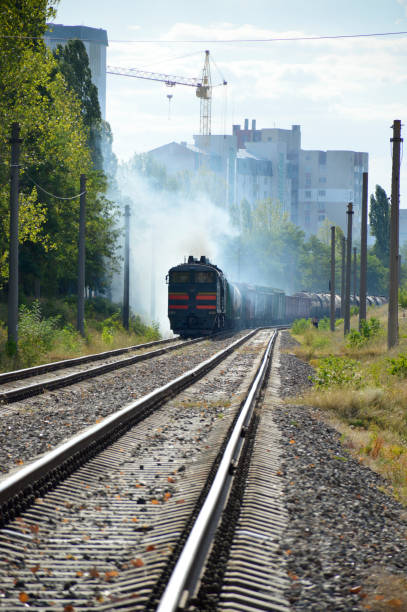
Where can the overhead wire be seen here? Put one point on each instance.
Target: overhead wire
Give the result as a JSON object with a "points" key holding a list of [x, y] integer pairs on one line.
{"points": [[53, 194], [227, 41]]}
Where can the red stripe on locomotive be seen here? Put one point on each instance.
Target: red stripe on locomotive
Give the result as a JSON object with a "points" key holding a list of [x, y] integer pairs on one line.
{"points": [[178, 296]]}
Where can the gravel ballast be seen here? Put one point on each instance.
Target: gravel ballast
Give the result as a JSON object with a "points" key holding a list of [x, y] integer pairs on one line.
{"points": [[33, 426], [345, 536]]}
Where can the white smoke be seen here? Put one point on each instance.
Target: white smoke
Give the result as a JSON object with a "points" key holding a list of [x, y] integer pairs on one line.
{"points": [[165, 227]]}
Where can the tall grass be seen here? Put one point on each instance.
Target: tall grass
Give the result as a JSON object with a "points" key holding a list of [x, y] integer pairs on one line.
{"points": [[49, 338], [362, 386]]}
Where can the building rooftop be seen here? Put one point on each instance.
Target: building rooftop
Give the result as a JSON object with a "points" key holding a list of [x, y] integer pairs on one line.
{"points": [[84, 33]]}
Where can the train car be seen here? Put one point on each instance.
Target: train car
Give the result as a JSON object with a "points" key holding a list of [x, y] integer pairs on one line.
{"points": [[297, 307], [201, 301]]}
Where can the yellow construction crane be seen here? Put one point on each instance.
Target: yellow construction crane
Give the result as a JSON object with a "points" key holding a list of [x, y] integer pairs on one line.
{"points": [[203, 87], [204, 93]]}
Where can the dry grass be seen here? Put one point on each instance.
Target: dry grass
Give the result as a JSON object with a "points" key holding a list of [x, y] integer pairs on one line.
{"points": [[372, 419], [384, 592]]}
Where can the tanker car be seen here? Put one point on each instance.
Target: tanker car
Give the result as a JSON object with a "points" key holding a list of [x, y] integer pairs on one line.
{"points": [[201, 301]]}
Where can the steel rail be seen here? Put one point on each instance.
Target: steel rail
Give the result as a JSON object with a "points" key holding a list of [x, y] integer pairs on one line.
{"points": [[42, 474], [66, 363], [177, 588], [14, 395]]}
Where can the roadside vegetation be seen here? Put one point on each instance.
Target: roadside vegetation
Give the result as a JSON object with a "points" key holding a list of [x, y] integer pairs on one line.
{"points": [[361, 387], [47, 332]]}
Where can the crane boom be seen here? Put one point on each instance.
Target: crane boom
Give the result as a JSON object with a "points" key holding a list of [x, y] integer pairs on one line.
{"points": [[169, 79], [203, 87]]}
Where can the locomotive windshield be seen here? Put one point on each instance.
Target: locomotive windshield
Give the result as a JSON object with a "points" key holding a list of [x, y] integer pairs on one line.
{"points": [[204, 277], [180, 277]]}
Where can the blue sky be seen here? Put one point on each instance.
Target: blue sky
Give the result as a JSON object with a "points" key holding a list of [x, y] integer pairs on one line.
{"points": [[344, 93]]}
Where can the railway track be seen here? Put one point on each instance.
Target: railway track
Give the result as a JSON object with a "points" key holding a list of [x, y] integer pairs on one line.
{"points": [[109, 536], [13, 387]]}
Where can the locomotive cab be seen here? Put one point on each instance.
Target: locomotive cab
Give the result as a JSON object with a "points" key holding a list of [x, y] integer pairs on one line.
{"points": [[196, 298]]}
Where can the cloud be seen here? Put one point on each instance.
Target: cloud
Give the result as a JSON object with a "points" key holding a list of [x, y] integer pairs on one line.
{"points": [[341, 91]]}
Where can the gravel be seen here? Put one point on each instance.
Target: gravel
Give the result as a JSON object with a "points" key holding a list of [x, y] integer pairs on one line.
{"points": [[345, 536], [35, 425], [343, 529]]}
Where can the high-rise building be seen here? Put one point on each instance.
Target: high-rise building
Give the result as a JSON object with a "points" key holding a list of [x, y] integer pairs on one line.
{"points": [[328, 181], [256, 164], [95, 41]]}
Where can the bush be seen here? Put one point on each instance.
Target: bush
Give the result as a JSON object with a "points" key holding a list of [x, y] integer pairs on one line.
{"points": [[300, 325], [337, 371], [111, 325], [137, 326], [398, 365], [403, 297], [368, 329], [36, 335], [70, 338], [324, 324]]}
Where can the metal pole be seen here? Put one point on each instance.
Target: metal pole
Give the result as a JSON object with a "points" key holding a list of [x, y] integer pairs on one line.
{"points": [[363, 253], [343, 245], [81, 257], [354, 274], [152, 279], [126, 309], [332, 321], [12, 321], [392, 328], [346, 327]]}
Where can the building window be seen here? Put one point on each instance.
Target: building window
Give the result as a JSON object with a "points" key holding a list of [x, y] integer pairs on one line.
{"points": [[322, 158], [308, 194], [307, 220], [322, 179], [321, 217], [308, 180], [322, 193]]}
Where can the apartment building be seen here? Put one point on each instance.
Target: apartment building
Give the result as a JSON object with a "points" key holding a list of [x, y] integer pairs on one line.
{"points": [[311, 186], [328, 181], [95, 41]]}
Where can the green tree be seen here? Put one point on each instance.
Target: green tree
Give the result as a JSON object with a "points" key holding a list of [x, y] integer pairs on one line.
{"points": [[315, 265], [73, 63], [270, 247], [377, 275], [379, 217], [54, 153]]}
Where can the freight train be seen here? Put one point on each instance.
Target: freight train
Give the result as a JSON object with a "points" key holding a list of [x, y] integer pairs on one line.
{"points": [[201, 301]]}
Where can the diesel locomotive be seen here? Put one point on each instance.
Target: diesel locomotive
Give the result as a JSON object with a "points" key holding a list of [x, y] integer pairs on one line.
{"points": [[201, 301]]}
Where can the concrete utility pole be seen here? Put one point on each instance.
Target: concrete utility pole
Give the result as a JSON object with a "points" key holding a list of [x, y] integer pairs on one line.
{"points": [[81, 257], [332, 313], [346, 326], [393, 327], [12, 320], [363, 253], [152, 278], [354, 274], [343, 251], [126, 290]]}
